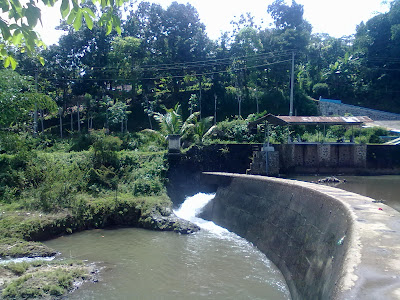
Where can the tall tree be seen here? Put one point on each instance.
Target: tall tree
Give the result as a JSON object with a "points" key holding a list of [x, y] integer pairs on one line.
{"points": [[18, 20], [18, 98]]}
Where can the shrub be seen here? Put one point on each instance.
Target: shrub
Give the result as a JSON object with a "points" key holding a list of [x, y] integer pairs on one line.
{"points": [[12, 143], [235, 130], [105, 149], [320, 89], [82, 141], [17, 268], [145, 141]]}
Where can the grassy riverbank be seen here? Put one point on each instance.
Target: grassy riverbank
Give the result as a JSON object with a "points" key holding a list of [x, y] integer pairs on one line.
{"points": [[58, 190]]}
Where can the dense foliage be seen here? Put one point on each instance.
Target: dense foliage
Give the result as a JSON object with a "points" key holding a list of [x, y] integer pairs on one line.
{"points": [[18, 20], [52, 181], [161, 76], [164, 57]]}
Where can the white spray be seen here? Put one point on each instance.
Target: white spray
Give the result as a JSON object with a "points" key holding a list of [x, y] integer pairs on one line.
{"points": [[193, 206]]}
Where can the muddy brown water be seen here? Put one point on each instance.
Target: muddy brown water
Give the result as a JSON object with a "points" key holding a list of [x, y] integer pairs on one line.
{"points": [[384, 188], [144, 264], [211, 264]]}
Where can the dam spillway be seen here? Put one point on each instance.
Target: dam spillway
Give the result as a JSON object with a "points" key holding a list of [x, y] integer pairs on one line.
{"points": [[328, 243], [212, 264]]}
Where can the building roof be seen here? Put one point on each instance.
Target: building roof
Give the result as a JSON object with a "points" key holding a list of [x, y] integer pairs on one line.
{"points": [[311, 120]]}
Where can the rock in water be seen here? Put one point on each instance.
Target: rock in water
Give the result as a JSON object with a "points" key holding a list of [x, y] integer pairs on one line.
{"points": [[157, 221]]}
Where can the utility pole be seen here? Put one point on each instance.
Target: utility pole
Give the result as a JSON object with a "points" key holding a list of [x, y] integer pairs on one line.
{"points": [[291, 87], [200, 97], [256, 94], [60, 112], [238, 97]]}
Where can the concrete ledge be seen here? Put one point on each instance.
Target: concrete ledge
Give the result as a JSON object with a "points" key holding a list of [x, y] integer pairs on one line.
{"points": [[328, 243]]}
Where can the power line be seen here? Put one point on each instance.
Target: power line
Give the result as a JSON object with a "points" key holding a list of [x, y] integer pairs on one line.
{"points": [[168, 77], [228, 58], [200, 63]]}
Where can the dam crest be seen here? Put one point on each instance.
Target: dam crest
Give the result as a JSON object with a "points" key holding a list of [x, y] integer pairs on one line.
{"points": [[327, 242]]}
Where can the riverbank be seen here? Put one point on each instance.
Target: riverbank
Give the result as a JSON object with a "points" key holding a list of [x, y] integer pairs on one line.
{"points": [[21, 231], [44, 279], [65, 189]]}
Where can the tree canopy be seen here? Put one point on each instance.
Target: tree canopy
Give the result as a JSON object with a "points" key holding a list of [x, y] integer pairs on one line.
{"points": [[164, 57], [18, 97], [18, 20]]}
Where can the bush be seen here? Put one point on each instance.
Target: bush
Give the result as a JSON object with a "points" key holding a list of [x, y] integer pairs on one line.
{"points": [[142, 174], [320, 90], [105, 149], [82, 141], [367, 135], [55, 178], [17, 268], [12, 143], [145, 141], [51, 181], [235, 130]]}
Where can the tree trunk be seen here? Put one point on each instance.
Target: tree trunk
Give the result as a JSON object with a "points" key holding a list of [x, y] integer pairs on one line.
{"points": [[79, 118], [107, 127], [72, 121], [35, 122], [61, 124], [148, 110], [258, 110], [41, 119], [215, 109]]}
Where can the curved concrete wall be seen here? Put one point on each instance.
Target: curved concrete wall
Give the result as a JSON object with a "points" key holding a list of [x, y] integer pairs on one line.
{"points": [[328, 243]]}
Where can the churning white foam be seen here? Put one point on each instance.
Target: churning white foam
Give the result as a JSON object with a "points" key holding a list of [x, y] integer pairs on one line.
{"points": [[25, 259], [193, 206]]}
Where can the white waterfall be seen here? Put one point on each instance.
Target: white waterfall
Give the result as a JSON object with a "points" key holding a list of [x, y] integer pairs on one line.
{"points": [[193, 206]]}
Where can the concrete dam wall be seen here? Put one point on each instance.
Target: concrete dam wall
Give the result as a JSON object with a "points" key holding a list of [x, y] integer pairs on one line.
{"points": [[328, 243]]}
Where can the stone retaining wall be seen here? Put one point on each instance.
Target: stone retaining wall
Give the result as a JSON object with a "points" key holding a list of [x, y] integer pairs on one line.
{"points": [[328, 243], [322, 158], [341, 109], [185, 169]]}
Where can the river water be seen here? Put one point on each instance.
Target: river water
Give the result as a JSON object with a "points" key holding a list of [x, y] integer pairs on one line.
{"points": [[383, 188], [142, 264]]}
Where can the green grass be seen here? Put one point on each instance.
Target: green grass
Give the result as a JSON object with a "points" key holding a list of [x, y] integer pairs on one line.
{"points": [[43, 279], [54, 191]]}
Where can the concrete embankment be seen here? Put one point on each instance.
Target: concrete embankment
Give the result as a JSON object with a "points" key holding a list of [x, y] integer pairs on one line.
{"points": [[328, 243]]}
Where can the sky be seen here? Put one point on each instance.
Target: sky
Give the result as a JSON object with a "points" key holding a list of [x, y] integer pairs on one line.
{"points": [[336, 17]]}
